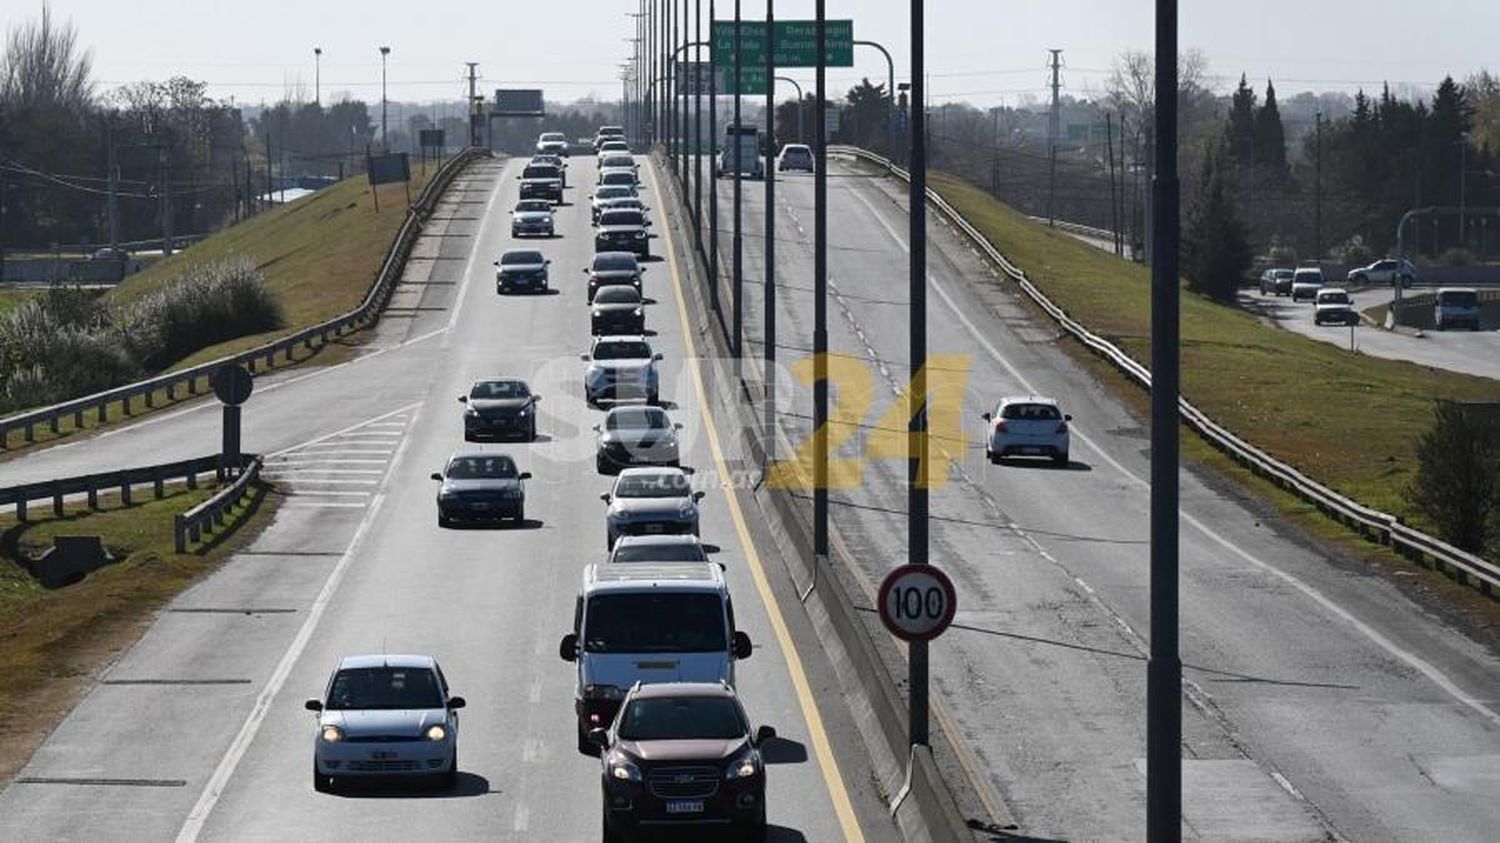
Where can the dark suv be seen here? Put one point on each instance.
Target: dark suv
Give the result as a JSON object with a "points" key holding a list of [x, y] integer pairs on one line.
{"points": [[613, 268], [623, 231], [681, 754], [542, 181]]}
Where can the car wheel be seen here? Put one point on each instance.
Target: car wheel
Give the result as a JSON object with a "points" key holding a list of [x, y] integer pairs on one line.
{"points": [[531, 433], [449, 780], [600, 466], [521, 514], [444, 521], [994, 457], [609, 539], [607, 833], [585, 746], [321, 783], [653, 398], [1060, 460]]}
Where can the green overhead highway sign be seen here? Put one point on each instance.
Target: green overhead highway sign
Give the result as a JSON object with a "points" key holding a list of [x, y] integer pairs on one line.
{"points": [[752, 80], [796, 43]]}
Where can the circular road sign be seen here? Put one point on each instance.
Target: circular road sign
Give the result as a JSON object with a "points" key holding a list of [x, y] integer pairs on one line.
{"points": [[917, 602], [232, 384]]}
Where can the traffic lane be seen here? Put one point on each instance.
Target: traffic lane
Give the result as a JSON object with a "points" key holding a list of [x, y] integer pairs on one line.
{"points": [[527, 579], [1206, 565], [291, 407], [1469, 352]]}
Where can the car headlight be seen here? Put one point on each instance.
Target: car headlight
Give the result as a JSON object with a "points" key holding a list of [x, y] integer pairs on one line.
{"points": [[471, 413], [636, 312], [436, 732], [623, 769], [332, 733], [524, 413], [640, 235], [446, 494], [598, 312], [686, 509], [743, 767]]}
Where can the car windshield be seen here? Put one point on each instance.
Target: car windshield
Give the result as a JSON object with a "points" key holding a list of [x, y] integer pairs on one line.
{"points": [[617, 294], [1030, 412], [622, 351], [613, 191], [682, 718], [655, 622], [534, 205], [624, 216], [634, 418], [499, 389], [1334, 298], [619, 179], [1309, 277], [1284, 273], [1459, 298], [615, 262], [662, 485], [553, 136], [521, 258], [539, 171], [795, 152], [660, 553], [476, 468], [384, 688], [619, 161]]}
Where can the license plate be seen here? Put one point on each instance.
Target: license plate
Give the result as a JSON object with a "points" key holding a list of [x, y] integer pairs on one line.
{"points": [[685, 806], [653, 528], [382, 755], [1031, 449], [480, 505]]}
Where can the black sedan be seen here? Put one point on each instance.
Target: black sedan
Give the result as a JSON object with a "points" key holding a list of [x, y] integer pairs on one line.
{"points": [[521, 269], [623, 230], [480, 486], [635, 435], [614, 268], [500, 407], [617, 309]]}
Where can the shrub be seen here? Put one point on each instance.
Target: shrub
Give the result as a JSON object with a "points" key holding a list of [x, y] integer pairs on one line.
{"points": [[1282, 254], [1456, 257], [208, 304], [1457, 483], [1354, 252]]}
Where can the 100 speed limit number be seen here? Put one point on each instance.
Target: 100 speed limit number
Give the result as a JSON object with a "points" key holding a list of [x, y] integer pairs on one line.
{"points": [[917, 602]]}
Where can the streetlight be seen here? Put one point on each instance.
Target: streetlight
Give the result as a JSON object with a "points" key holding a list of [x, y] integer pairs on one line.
{"points": [[385, 146], [318, 76]]}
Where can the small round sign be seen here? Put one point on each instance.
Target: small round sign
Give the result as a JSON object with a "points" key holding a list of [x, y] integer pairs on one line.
{"points": [[917, 602], [232, 384]]}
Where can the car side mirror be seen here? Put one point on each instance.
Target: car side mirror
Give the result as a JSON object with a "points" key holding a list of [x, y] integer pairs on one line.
{"points": [[742, 646], [525, 475], [599, 738], [722, 566], [585, 270], [763, 734], [677, 425], [987, 416], [583, 357], [536, 399], [697, 496], [437, 475], [604, 497], [567, 648], [643, 269], [648, 223], [656, 356], [496, 263], [547, 262], [457, 702], [1067, 417], [596, 428], [463, 399], [313, 705]]}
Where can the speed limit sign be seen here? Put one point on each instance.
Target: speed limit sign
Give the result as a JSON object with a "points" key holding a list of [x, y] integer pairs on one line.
{"points": [[917, 602]]}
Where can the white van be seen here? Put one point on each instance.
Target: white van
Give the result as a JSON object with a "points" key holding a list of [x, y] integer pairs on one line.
{"points": [[1457, 307], [747, 140], [648, 622]]}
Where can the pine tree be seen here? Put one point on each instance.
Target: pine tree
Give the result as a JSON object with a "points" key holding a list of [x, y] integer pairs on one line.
{"points": [[1239, 133], [1216, 248], [1270, 137]]}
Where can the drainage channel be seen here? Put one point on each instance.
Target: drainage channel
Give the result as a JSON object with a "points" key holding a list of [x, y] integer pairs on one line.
{"points": [[175, 682], [100, 782]]}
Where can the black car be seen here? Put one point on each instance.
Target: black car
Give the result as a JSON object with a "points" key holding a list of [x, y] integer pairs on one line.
{"points": [[617, 309], [480, 486], [500, 407], [602, 196], [555, 160], [613, 268], [521, 269], [623, 230], [682, 755], [635, 435], [542, 181]]}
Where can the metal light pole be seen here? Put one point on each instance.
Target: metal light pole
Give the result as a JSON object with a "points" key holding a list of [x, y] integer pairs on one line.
{"points": [[890, 92], [698, 136], [916, 440], [801, 138], [384, 142], [318, 76], [1164, 669], [739, 268], [820, 304], [770, 247], [713, 171]]}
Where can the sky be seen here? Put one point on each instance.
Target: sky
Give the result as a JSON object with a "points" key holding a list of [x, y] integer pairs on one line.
{"points": [[987, 52]]}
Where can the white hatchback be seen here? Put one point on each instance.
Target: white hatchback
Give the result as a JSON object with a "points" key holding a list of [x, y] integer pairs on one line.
{"points": [[385, 715], [1027, 426]]}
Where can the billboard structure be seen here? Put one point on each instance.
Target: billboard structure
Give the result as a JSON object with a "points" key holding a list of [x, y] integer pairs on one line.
{"points": [[384, 169], [518, 102]]}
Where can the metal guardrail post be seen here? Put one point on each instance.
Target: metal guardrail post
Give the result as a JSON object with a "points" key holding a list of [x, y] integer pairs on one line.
{"points": [[158, 486], [21, 510], [93, 493], [57, 499], [125, 488], [179, 534]]}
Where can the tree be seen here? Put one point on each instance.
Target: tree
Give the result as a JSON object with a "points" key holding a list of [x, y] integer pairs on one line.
{"points": [[1270, 137], [44, 69], [1239, 133], [1483, 89], [868, 111], [1457, 483], [1215, 245]]}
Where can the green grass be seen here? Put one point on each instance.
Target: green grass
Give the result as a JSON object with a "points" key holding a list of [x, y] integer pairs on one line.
{"points": [[1347, 420], [12, 299], [55, 640]]}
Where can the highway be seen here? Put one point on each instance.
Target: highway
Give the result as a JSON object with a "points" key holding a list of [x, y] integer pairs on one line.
{"points": [[198, 731], [1321, 701]]}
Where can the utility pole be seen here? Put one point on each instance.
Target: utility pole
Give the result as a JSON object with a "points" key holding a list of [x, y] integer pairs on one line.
{"points": [[473, 102], [1463, 167], [384, 142], [1109, 136], [820, 298], [1053, 130], [713, 171], [318, 76], [1318, 185], [166, 196], [995, 151], [698, 140], [738, 247], [769, 435], [917, 463], [112, 207], [1164, 667]]}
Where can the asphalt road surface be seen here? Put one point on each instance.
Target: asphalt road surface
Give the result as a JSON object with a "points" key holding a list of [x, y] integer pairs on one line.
{"points": [[1321, 702], [199, 732]]}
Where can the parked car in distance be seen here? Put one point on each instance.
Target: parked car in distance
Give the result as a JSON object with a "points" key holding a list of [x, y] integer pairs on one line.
{"points": [[520, 269], [658, 549], [1456, 307], [480, 486], [1385, 271], [1027, 426], [385, 715], [610, 268], [647, 501], [500, 407], [617, 309], [635, 435], [796, 156], [1306, 282], [532, 216], [1334, 306], [681, 755]]}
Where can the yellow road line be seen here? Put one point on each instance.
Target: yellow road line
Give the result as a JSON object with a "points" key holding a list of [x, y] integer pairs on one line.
{"points": [[837, 792]]}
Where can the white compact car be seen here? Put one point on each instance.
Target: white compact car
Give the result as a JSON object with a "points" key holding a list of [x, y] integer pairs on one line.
{"points": [[1027, 426], [385, 715]]}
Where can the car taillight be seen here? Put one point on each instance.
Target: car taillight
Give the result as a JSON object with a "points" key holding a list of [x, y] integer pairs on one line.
{"points": [[1062, 427], [1000, 425]]}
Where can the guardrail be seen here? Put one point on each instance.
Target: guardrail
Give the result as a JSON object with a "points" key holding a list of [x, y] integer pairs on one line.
{"points": [[1373, 524], [124, 480], [190, 525], [363, 316]]}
